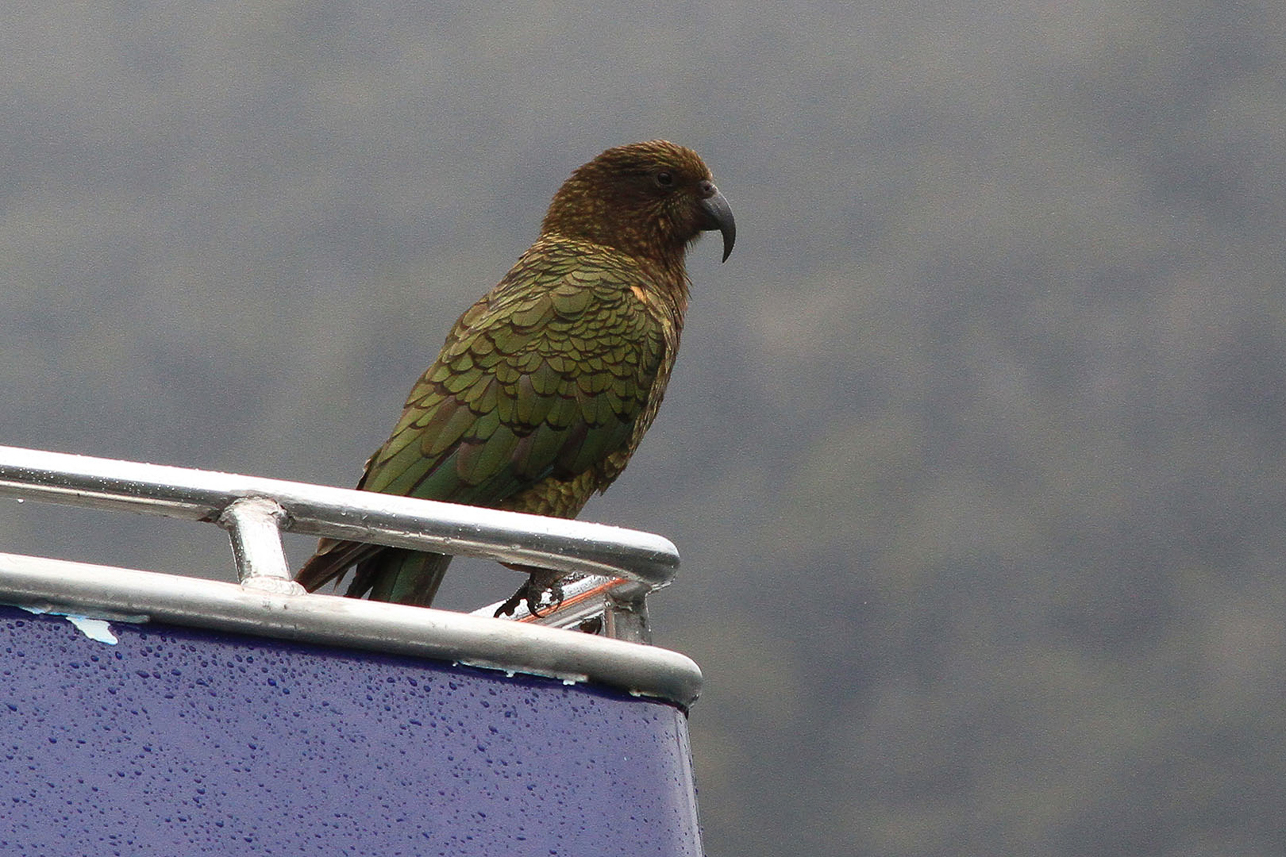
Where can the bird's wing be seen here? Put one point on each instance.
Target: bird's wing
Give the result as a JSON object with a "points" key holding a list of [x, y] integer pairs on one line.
{"points": [[546, 376]]}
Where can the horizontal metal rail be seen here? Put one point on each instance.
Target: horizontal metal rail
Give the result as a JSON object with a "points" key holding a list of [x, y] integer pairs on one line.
{"points": [[81, 590], [255, 510]]}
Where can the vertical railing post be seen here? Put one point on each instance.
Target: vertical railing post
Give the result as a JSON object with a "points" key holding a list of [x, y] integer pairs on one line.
{"points": [[626, 619], [254, 525]]}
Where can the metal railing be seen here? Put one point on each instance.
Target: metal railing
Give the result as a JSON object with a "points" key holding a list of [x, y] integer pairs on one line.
{"points": [[620, 566]]}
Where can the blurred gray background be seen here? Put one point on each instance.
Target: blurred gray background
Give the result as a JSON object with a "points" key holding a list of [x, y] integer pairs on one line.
{"points": [[974, 450]]}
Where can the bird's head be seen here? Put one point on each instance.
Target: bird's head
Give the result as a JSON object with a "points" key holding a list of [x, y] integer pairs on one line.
{"points": [[648, 199]]}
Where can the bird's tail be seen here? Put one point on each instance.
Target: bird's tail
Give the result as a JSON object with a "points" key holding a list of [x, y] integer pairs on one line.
{"points": [[400, 576], [388, 574]]}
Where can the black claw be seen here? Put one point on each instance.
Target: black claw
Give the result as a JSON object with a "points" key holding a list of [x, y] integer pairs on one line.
{"points": [[533, 593], [536, 596]]}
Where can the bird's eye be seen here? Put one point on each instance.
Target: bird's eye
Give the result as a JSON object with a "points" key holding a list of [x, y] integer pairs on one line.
{"points": [[664, 178]]}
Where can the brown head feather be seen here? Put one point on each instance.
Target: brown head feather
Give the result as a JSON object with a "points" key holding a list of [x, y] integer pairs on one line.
{"points": [[643, 199]]}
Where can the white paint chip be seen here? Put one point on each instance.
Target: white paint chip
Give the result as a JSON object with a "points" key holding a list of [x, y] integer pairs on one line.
{"points": [[94, 629]]}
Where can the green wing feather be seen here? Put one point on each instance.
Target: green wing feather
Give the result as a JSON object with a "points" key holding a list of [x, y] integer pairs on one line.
{"points": [[545, 377]]}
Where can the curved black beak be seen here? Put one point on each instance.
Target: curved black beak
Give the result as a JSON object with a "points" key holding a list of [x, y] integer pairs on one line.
{"points": [[720, 217]]}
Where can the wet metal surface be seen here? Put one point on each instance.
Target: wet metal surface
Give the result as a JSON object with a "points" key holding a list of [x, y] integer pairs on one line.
{"points": [[95, 590], [202, 495]]}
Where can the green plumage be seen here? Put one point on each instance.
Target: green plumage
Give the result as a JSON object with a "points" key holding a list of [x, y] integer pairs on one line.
{"points": [[545, 386], [469, 430]]}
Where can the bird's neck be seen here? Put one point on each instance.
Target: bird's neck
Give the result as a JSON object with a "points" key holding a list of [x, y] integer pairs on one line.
{"points": [[671, 284], [664, 275], [665, 280]]}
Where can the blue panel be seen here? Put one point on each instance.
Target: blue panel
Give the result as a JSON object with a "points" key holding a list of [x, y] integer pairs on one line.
{"points": [[177, 741]]}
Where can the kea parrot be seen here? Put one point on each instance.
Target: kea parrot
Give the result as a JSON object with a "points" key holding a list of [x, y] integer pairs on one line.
{"points": [[545, 386]]}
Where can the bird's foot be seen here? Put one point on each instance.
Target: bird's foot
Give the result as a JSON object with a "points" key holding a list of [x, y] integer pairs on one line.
{"points": [[539, 585]]}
